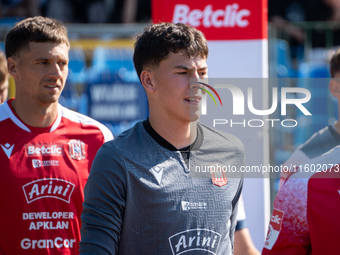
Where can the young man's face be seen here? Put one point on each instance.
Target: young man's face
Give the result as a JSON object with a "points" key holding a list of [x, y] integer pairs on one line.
{"points": [[40, 73], [4, 91], [176, 90]]}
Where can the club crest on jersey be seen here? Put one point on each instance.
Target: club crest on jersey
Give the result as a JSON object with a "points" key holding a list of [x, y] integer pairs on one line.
{"points": [[77, 149], [219, 178]]}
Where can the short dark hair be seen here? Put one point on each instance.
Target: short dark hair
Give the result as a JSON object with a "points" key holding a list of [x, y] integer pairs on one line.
{"points": [[35, 29], [156, 41], [335, 63]]}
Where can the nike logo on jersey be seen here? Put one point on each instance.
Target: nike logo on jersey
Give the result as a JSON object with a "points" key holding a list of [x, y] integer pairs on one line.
{"points": [[8, 149], [158, 172]]}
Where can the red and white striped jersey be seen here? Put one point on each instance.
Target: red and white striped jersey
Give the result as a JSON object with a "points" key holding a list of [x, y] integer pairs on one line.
{"points": [[305, 217], [43, 174]]}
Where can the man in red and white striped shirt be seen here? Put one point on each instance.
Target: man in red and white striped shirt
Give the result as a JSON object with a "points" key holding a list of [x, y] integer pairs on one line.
{"points": [[305, 217]]}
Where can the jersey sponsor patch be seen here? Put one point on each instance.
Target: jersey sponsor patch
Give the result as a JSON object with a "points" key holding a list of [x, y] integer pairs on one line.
{"points": [[77, 149], [48, 188], [274, 228], [187, 206], [7, 149], [56, 243], [192, 240], [41, 163], [33, 150], [219, 178]]}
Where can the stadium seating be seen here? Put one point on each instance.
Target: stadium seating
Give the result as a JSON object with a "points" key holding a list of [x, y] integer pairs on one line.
{"points": [[71, 95], [280, 61], [314, 76], [111, 70], [77, 65], [111, 64]]}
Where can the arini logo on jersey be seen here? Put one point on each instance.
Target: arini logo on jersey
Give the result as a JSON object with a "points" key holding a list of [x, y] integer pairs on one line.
{"points": [[48, 188], [195, 240], [33, 150], [77, 149]]}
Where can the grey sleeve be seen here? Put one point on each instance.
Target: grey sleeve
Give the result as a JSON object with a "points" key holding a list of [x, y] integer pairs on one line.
{"points": [[104, 205], [233, 217]]}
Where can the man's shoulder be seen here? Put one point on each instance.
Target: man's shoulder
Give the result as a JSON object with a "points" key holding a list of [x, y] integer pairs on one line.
{"points": [[132, 138], [323, 136], [218, 136], [319, 143], [8, 121], [3, 112], [131, 144], [85, 120], [77, 117], [323, 166]]}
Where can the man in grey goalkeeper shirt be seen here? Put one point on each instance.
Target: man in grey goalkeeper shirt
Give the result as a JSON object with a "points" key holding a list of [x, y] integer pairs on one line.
{"points": [[153, 190]]}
